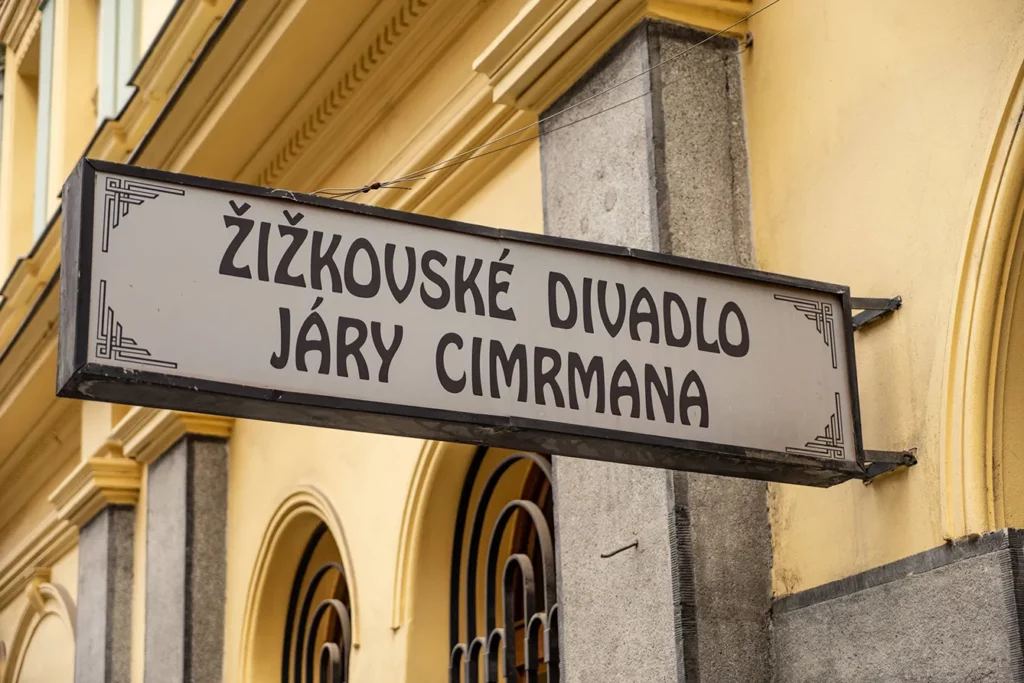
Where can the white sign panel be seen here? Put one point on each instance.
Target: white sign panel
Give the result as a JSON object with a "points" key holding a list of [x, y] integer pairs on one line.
{"points": [[192, 294]]}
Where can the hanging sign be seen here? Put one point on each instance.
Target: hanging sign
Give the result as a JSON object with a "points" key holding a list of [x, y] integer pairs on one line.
{"points": [[193, 294]]}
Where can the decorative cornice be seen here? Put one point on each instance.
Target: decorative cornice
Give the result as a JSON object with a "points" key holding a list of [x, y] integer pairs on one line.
{"points": [[144, 434], [552, 43], [47, 543], [390, 32], [25, 29], [100, 481]]}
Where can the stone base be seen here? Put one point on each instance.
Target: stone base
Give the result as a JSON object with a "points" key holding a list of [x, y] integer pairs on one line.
{"points": [[948, 614]]}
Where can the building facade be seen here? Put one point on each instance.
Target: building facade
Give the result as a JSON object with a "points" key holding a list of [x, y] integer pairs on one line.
{"points": [[873, 144]]}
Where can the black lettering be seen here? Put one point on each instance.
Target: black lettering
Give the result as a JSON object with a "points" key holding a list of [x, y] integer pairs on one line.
{"points": [[509, 364], [364, 290], [591, 376], [671, 339], [588, 306], [652, 380], [444, 293], [400, 293], [478, 389], [279, 359], [467, 284], [569, 321], [702, 343], [262, 258], [699, 401], [321, 345], [452, 386], [319, 259], [741, 348], [386, 353], [298, 236], [630, 389], [547, 378], [245, 226], [352, 348], [637, 317], [613, 327], [494, 288]]}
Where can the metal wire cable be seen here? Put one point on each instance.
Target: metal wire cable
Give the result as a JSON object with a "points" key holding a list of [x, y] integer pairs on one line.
{"points": [[470, 154]]}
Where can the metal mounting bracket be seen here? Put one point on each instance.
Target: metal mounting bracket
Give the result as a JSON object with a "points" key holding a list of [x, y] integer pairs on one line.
{"points": [[873, 310], [879, 463]]}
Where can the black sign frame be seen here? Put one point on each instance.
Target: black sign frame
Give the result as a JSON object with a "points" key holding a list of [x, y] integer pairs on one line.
{"points": [[79, 379]]}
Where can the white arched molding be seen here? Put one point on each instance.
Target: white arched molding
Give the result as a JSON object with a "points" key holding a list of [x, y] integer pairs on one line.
{"points": [[297, 513], [44, 599], [977, 345]]}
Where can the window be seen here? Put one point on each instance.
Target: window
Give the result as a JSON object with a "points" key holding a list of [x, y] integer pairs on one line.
{"points": [[44, 92], [118, 54]]}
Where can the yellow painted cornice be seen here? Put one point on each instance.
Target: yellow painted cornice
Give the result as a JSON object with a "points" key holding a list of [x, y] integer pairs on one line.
{"points": [[107, 478], [552, 43], [392, 49], [46, 544], [15, 18], [145, 434], [27, 282]]}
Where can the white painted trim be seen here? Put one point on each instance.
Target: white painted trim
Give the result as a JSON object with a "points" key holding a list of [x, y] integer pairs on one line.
{"points": [[127, 49], [39, 213], [106, 60]]}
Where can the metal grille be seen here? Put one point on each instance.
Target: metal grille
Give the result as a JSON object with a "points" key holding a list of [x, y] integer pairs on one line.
{"points": [[526, 577], [304, 622]]}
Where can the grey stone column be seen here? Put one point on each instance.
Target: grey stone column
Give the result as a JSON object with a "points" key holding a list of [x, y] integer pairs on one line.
{"points": [[186, 520], [104, 616], [666, 172]]}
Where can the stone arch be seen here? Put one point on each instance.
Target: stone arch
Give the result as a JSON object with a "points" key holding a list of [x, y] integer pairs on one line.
{"points": [[981, 469], [45, 601], [303, 555]]}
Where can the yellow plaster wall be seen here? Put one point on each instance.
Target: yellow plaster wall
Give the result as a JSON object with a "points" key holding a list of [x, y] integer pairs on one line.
{"points": [[50, 657], [17, 165], [870, 125], [64, 572], [154, 14], [512, 199]]}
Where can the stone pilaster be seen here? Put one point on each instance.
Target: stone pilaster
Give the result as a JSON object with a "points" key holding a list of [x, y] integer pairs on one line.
{"points": [[99, 497], [186, 524], [665, 172]]}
